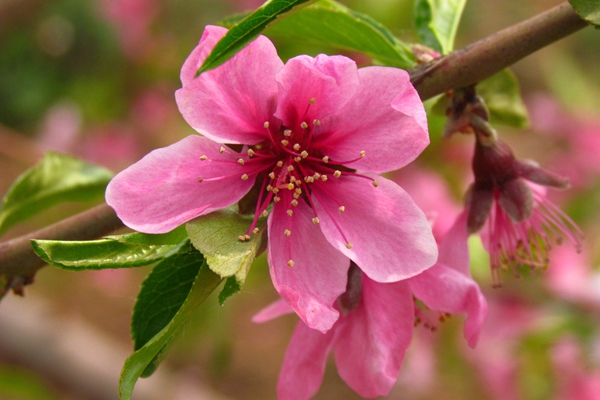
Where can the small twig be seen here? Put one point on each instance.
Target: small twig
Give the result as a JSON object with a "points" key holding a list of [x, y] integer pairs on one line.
{"points": [[17, 257], [488, 56]]}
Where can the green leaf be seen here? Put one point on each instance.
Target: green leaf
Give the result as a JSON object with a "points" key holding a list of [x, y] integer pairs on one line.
{"points": [[163, 293], [216, 235], [131, 250], [249, 28], [57, 178], [503, 98], [230, 288], [206, 281], [327, 22], [589, 10], [437, 22]]}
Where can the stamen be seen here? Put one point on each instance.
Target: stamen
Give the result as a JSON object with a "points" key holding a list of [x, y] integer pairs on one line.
{"points": [[297, 146], [311, 101], [269, 188], [290, 186], [324, 177], [294, 202], [290, 263], [337, 173], [342, 208], [200, 179], [290, 213], [241, 161], [222, 150], [304, 125], [297, 159], [265, 213], [290, 168], [255, 230], [348, 245], [287, 232], [375, 183], [266, 124], [276, 199], [316, 122], [304, 154], [250, 152], [287, 133], [284, 142], [362, 154], [272, 175], [279, 163], [242, 238], [326, 159], [245, 177], [315, 220], [203, 158]]}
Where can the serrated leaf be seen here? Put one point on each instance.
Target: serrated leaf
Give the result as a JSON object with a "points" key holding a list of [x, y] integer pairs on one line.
{"points": [[249, 28], [330, 23], [162, 294], [589, 10], [503, 98], [206, 281], [437, 22], [216, 235], [124, 251], [57, 178]]}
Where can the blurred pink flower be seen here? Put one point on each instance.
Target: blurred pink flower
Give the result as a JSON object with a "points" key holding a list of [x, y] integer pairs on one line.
{"points": [[574, 381], [305, 128], [371, 337]]}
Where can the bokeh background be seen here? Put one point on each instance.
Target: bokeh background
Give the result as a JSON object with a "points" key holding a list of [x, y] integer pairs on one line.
{"points": [[96, 79]]}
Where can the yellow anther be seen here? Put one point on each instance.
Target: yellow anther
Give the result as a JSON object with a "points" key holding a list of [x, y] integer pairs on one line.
{"points": [[200, 179], [326, 159], [292, 179], [315, 220], [311, 101], [245, 177], [276, 199], [222, 150], [266, 124], [269, 188], [247, 237], [298, 191], [203, 158], [290, 168], [304, 125], [272, 175], [342, 208], [375, 183], [279, 164], [310, 179], [316, 122], [348, 245], [290, 263], [323, 178], [337, 174], [290, 213], [242, 238], [290, 186], [296, 196], [250, 152], [297, 146], [285, 142], [294, 202], [304, 154], [265, 213], [287, 232], [297, 159], [287, 133], [362, 154], [255, 230], [276, 190], [241, 161], [317, 175]]}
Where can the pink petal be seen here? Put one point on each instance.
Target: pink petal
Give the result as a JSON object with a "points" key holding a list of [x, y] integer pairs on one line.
{"points": [[385, 119], [371, 340], [454, 249], [330, 80], [161, 191], [319, 273], [445, 289], [274, 310], [304, 364], [231, 103], [388, 235]]}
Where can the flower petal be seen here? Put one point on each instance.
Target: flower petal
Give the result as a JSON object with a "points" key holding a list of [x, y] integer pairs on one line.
{"points": [[319, 272], [371, 341], [162, 191], [385, 119], [454, 249], [273, 310], [304, 364], [445, 289], [330, 80], [231, 103], [381, 229]]}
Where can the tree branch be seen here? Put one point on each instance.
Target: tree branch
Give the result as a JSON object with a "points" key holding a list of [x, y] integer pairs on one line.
{"points": [[463, 67], [488, 56]]}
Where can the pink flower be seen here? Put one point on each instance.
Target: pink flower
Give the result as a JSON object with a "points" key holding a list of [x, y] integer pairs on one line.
{"points": [[296, 133], [371, 337], [522, 223]]}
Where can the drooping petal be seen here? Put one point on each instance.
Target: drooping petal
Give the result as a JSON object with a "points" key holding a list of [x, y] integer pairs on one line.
{"points": [[162, 190], [371, 341], [330, 80], [516, 199], [385, 119], [318, 272], [273, 310], [231, 103], [304, 364], [381, 229], [444, 289], [454, 249]]}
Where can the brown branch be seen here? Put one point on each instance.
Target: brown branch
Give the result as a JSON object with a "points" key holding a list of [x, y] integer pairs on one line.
{"points": [[463, 67], [488, 56], [17, 257]]}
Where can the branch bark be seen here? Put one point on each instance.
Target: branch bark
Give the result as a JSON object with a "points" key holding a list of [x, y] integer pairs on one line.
{"points": [[467, 66]]}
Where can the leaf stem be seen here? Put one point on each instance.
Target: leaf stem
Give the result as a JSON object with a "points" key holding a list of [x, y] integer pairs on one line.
{"points": [[463, 67], [492, 54]]}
